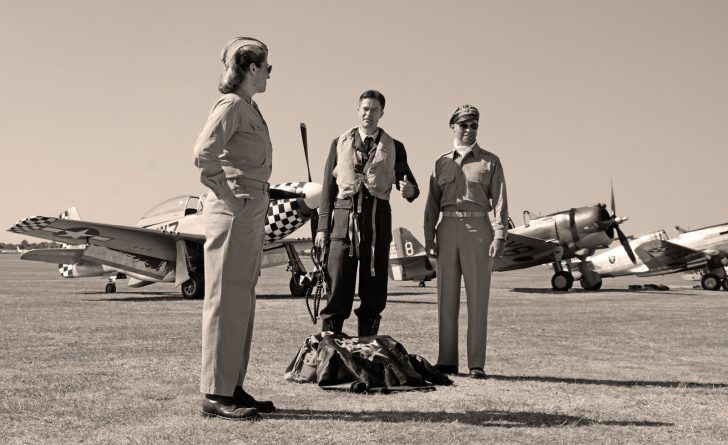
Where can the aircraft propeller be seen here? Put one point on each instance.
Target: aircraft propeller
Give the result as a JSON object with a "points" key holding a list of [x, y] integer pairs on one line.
{"points": [[613, 223], [314, 215]]}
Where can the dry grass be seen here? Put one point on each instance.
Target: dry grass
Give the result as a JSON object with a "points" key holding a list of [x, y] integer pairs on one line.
{"points": [[78, 365]]}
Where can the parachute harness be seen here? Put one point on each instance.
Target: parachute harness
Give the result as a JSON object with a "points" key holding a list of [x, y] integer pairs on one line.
{"points": [[320, 279]]}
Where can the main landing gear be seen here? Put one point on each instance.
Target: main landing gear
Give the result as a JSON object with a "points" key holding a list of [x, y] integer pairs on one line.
{"points": [[194, 288], [111, 285], [714, 275], [563, 279], [711, 282], [299, 284]]}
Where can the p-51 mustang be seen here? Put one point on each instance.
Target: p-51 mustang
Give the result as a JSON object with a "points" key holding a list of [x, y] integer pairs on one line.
{"points": [[705, 249], [167, 244], [573, 233]]}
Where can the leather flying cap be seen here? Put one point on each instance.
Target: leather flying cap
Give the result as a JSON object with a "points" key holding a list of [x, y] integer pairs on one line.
{"points": [[464, 112], [238, 42]]}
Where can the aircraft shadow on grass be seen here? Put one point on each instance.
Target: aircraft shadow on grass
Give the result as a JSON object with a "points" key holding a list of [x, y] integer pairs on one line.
{"points": [[661, 384], [528, 290], [501, 419]]}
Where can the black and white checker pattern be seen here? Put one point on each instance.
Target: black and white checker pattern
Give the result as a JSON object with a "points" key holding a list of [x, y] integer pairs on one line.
{"points": [[283, 218], [32, 224], [66, 270]]}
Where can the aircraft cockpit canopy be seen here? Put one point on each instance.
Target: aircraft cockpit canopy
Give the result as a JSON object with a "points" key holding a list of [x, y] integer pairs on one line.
{"points": [[172, 209]]}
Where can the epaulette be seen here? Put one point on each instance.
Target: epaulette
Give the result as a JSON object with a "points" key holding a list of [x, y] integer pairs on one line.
{"points": [[447, 153]]}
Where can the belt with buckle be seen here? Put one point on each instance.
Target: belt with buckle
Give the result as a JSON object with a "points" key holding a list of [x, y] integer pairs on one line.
{"points": [[465, 214], [242, 180]]}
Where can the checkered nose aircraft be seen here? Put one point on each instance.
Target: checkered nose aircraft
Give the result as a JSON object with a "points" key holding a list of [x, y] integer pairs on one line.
{"points": [[167, 244]]}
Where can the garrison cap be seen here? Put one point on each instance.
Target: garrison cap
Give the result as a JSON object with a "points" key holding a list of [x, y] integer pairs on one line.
{"points": [[464, 112], [238, 42]]}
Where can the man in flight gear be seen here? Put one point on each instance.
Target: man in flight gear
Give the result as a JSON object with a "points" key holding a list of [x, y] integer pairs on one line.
{"points": [[356, 218]]}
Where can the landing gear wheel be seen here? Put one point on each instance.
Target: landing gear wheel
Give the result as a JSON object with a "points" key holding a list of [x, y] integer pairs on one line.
{"points": [[590, 280], [725, 283], [422, 284], [562, 280], [710, 282], [110, 288], [298, 288], [592, 286], [194, 288]]}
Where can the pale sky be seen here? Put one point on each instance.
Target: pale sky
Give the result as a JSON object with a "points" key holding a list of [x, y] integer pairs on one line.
{"points": [[101, 102]]}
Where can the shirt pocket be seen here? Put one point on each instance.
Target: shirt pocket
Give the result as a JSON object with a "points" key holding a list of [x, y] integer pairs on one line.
{"points": [[478, 176], [445, 176]]}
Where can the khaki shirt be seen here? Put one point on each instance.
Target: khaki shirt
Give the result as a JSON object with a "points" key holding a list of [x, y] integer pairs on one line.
{"points": [[235, 140], [471, 183]]}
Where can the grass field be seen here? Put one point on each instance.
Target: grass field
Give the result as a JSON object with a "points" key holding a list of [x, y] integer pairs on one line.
{"points": [[614, 366]]}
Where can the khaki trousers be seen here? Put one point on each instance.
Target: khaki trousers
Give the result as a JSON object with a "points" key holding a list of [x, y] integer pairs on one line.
{"points": [[233, 254], [463, 245]]}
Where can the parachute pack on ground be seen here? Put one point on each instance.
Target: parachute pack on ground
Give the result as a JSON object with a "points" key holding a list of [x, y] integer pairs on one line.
{"points": [[376, 364]]}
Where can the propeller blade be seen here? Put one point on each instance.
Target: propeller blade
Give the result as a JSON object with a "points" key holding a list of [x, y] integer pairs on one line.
{"points": [[314, 215], [304, 138], [625, 243], [314, 223], [611, 186]]}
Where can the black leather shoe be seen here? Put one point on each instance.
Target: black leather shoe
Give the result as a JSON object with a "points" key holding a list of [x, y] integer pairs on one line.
{"points": [[447, 369], [242, 398], [225, 408], [476, 373]]}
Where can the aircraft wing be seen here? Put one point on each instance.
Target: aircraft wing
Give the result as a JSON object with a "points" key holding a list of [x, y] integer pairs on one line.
{"points": [[663, 256], [134, 240], [277, 252], [55, 256], [300, 244], [521, 252]]}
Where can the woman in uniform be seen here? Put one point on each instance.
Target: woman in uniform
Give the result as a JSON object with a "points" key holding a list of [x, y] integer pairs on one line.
{"points": [[233, 153]]}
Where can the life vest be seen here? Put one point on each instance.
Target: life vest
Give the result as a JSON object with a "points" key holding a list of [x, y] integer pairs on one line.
{"points": [[378, 173]]}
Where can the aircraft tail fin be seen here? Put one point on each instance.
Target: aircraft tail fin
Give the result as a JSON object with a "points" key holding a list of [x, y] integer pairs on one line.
{"points": [[70, 213], [67, 270], [407, 258], [405, 244]]}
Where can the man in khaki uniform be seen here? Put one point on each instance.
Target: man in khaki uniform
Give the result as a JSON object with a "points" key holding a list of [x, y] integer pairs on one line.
{"points": [[466, 184], [233, 153]]}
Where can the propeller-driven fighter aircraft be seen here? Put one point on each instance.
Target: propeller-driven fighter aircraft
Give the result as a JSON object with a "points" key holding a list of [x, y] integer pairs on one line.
{"points": [[167, 244], [705, 249], [556, 238]]}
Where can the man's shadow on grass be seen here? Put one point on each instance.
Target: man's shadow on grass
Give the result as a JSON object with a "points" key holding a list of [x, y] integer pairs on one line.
{"points": [[660, 384], [502, 419]]}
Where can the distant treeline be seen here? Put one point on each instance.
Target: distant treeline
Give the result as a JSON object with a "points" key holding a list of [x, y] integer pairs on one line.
{"points": [[29, 246]]}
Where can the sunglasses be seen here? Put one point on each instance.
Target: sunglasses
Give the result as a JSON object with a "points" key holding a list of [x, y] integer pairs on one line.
{"points": [[270, 68], [465, 126]]}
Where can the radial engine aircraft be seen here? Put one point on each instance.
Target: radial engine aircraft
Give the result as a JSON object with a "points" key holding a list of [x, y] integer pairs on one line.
{"points": [[703, 249], [556, 238], [167, 244]]}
